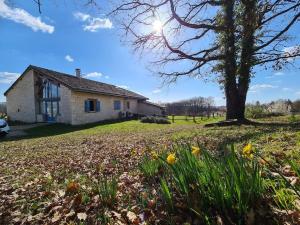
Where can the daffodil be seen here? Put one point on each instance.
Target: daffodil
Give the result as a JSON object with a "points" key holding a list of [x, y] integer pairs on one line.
{"points": [[195, 151], [248, 151], [171, 159]]}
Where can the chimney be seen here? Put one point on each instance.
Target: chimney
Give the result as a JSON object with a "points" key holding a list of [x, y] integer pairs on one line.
{"points": [[77, 72]]}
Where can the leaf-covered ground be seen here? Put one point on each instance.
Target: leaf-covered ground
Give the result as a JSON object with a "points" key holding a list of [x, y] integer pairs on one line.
{"points": [[52, 175]]}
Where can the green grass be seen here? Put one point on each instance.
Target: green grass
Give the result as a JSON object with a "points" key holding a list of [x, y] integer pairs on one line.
{"points": [[87, 153], [107, 127], [198, 120]]}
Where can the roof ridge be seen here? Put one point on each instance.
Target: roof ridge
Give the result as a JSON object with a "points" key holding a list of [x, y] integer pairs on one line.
{"points": [[73, 76], [111, 87]]}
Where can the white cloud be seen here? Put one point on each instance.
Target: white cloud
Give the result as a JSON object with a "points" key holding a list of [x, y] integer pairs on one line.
{"points": [[278, 74], [156, 91], [123, 86], [81, 16], [290, 51], [93, 24], [287, 89], [93, 74], [297, 93], [97, 23], [69, 58], [7, 77], [106, 77], [258, 87], [19, 15]]}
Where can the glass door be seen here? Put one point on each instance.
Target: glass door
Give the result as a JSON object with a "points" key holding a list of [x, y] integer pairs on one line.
{"points": [[51, 111], [50, 101]]}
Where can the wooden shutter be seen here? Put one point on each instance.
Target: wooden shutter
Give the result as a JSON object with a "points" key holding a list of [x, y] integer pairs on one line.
{"points": [[86, 106], [97, 106]]}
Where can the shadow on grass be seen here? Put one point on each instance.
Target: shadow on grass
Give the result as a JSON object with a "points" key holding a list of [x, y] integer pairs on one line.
{"points": [[262, 129], [234, 122], [254, 130], [54, 129]]}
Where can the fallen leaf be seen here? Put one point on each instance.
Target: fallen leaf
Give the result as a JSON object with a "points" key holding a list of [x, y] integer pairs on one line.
{"points": [[56, 217], [81, 216]]}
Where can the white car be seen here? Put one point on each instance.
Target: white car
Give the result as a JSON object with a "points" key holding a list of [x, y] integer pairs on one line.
{"points": [[4, 128]]}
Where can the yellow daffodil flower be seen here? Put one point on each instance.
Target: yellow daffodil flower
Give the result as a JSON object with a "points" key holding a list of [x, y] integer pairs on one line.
{"points": [[171, 159], [195, 151], [248, 151]]}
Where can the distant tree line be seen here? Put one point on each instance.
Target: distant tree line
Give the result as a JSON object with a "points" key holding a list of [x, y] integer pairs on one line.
{"points": [[197, 106], [201, 106]]}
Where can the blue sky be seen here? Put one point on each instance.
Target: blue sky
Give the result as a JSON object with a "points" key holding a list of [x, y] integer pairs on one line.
{"points": [[67, 36]]}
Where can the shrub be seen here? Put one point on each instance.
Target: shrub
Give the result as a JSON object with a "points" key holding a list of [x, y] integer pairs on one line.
{"points": [[259, 111], [294, 119], [148, 119], [153, 119], [3, 116], [161, 120]]}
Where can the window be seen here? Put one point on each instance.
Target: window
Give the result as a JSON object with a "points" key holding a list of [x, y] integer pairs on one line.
{"points": [[49, 98], [128, 105], [117, 105], [91, 105], [50, 90]]}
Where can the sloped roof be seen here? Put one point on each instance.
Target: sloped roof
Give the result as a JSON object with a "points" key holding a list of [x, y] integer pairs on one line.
{"points": [[82, 84], [154, 104]]}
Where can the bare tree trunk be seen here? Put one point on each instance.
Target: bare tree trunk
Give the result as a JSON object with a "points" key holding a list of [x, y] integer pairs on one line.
{"points": [[247, 45], [235, 108]]}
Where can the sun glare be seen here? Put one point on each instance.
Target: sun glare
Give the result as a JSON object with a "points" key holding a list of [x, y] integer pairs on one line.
{"points": [[157, 26]]}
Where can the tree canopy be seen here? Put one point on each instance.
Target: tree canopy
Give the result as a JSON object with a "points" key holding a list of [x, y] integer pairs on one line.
{"points": [[225, 38]]}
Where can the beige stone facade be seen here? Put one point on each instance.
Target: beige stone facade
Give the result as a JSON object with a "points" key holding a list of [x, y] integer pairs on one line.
{"points": [[21, 101], [24, 105], [79, 116], [147, 109]]}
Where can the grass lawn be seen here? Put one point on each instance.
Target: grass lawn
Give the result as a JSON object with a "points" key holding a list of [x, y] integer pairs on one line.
{"points": [[111, 127], [56, 173]]}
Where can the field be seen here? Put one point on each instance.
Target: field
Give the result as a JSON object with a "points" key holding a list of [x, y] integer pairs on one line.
{"points": [[92, 174]]}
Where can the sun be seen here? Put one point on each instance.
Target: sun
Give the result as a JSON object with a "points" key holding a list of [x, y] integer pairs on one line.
{"points": [[157, 26]]}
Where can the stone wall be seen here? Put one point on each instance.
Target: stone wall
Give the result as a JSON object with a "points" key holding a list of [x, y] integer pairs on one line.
{"points": [[65, 107], [20, 100], [148, 109], [79, 116]]}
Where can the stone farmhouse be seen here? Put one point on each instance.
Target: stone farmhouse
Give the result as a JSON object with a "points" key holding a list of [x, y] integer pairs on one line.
{"points": [[43, 95]]}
